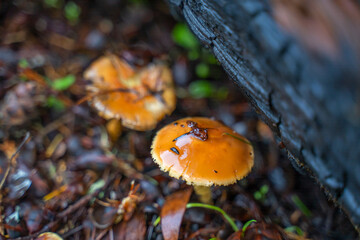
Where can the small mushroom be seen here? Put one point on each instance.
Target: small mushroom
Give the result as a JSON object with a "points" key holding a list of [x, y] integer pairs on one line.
{"points": [[138, 97], [48, 236], [203, 153]]}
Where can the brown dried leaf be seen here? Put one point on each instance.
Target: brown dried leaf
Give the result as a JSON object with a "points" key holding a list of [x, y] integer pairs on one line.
{"points": [[235, 236], [172, 213], [134, 229], [261, 230], [8, 147]]}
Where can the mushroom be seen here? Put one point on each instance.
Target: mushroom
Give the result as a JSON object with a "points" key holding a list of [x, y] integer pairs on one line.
{"points": [[48, 236], [138, 97], [203, 152]]}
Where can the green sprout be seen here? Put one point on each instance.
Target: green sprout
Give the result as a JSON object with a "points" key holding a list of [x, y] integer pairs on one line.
{"points": [[295, 229], [202, 70], [72, 12], [246, 225], [205, 89], [303, 208], [96, 185], [63, 83], [53, 3], [55, 103], [23, 63], [208, 206], [157, 221], [183, 37], [261, 193], [201, 89]]}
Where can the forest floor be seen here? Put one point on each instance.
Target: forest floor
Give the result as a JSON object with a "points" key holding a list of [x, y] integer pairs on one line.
{"points": [[60, 172]]}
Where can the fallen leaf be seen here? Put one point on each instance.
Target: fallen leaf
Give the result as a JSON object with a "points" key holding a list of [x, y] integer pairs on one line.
{"points": [[261, 230], [134, 229], [18, 183], [172, 213], [235, 236]]}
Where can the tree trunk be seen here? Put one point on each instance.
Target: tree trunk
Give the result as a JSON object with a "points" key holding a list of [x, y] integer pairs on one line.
{"points": [[298, 64]]}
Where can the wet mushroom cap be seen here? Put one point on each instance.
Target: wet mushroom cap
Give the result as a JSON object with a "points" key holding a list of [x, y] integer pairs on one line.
{"points": [[48, 236], [140, 98], [203, 152]]}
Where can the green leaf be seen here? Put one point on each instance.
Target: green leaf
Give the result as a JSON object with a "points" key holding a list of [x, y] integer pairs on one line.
{"points": [[182, 36], [23, 63], [210, 59], [202, 70], [246, 225], [64, 83], [53, 3], [201, 89], [157, 221], [72, 12], [257, 195], [295, 229], [303, 208], [55, 103], [222, 93], [96, 185], [264, 189]]}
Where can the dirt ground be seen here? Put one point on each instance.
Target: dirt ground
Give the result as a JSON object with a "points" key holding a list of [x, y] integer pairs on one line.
{"points": [[63, 170]]}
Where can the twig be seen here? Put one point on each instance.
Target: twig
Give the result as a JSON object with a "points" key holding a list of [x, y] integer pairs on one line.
{"points": [[72, 231], [26, 138], [84, 200]]}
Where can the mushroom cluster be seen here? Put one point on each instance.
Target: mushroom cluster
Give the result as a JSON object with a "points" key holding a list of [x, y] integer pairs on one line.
{"points": [[138, 97]]}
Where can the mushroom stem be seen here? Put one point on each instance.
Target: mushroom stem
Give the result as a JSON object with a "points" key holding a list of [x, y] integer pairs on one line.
{"points": [[114, 129], [204, 194]]}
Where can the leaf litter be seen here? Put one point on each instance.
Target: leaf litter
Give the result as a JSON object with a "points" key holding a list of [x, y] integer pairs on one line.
{"points": [[72, 180]]}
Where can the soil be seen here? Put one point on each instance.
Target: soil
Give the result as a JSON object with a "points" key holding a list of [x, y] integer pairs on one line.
{"points": [[61, 173]]}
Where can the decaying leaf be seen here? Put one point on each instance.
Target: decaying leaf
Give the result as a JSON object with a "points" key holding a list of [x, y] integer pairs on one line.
{"points": [[134, 229], [259, 231], [172, 213], [19, 104]]}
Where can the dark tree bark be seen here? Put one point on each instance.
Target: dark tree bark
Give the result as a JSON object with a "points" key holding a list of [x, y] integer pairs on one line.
{"points": [[298, 64]]}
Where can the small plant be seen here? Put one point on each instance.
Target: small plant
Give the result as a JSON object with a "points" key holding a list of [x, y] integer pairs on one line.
{"points": [[61, 84], [303, 208], [260, 195], [53, 3], [295, 229], [23, 63], [55, 103], [72, 12], [205, 89], [246, 225], [182, 36], [208, 206]]}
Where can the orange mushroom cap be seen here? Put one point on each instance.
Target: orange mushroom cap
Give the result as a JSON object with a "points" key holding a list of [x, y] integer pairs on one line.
{"points": [[49, 236], [139, 98], [202, 152]]}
